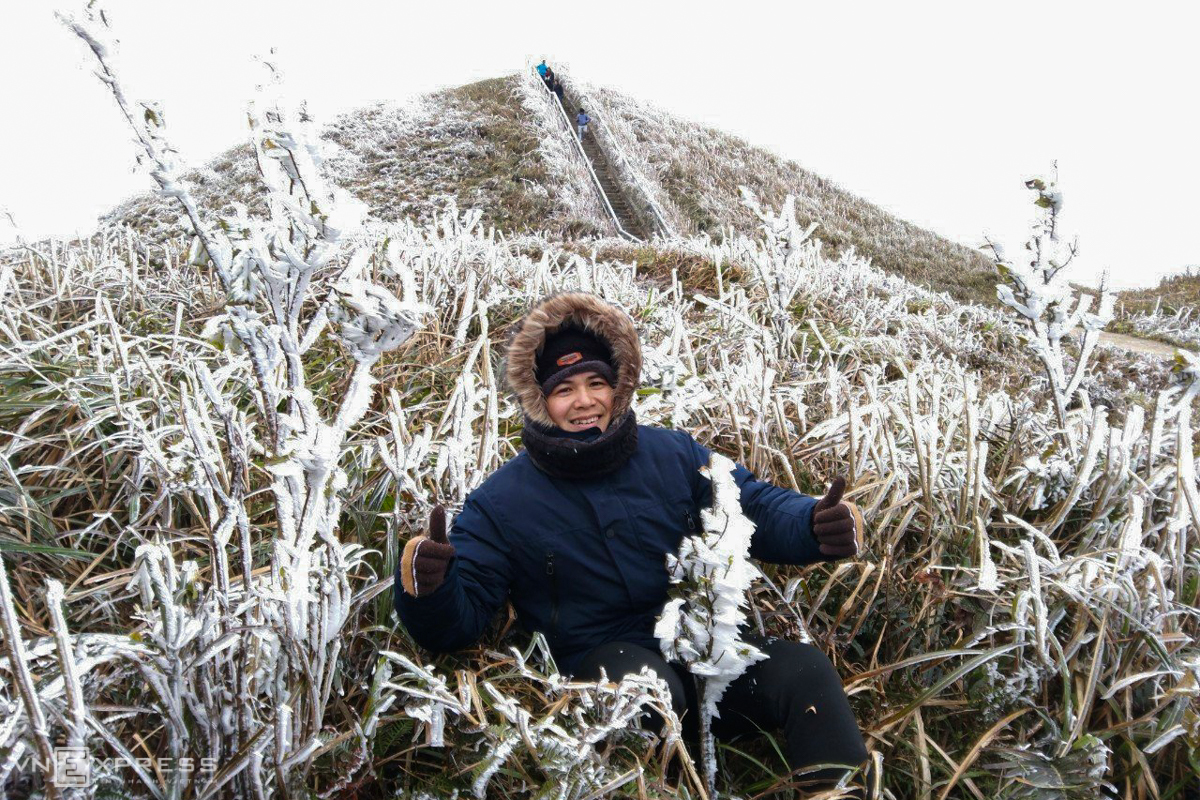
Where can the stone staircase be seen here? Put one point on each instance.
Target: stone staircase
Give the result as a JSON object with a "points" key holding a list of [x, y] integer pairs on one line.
{"points": [[616, 198]]}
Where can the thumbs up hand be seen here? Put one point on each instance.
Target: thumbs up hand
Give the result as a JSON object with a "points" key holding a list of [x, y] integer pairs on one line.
{"points": [[837, 523], [425, 558]]}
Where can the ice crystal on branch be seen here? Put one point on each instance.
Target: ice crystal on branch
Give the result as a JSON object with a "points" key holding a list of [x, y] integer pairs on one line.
{"points": [[1039, 292], [699, 624], [370, 319]]}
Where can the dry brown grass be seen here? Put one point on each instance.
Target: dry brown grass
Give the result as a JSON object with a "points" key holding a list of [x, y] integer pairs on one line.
{"points": [[1177, 292], [657, 264]]}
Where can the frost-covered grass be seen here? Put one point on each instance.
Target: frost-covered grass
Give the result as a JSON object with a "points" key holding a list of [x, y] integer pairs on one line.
{"points": [[942, 631], [1168, 312], [1172, 294], [220, 482], [476, 145], [695, 174]]}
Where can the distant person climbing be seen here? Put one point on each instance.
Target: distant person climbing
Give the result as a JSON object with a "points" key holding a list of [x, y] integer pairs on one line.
{"points": [[549, 79], [582, 121], [542, 68], [558, 89]]}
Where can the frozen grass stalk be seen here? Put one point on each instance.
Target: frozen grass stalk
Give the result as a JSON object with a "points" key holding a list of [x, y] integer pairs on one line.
{"points": [[699, 624], [289, 622]]}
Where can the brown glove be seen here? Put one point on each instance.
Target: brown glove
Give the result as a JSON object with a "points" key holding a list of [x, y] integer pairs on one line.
{"points": [[423, 563], [838, 523]]}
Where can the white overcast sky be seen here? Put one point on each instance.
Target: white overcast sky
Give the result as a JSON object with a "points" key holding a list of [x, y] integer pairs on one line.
{"points": [[935, 111]]}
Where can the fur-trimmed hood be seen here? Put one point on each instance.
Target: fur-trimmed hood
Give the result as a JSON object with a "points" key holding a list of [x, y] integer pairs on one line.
{"points": [[590, 312]]}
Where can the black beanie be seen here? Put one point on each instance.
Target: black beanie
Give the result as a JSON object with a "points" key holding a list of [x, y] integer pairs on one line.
{"points": [[570, 351]]}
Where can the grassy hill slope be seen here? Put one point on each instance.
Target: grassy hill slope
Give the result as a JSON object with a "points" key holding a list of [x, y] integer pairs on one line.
{"points": [[484, 146], [479, 145], [699, 170], [476, 145], [1176, 292], [1169, 312]]}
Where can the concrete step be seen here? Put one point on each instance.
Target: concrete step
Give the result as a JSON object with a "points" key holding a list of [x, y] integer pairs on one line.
{"points": [[608, 184]]}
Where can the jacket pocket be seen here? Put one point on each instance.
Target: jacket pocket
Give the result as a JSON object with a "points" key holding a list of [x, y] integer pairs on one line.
{"points": [[661, 525]]}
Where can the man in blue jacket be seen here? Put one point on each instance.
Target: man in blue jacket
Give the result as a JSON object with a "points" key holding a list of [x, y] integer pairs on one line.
{"points": [[575, 529]]}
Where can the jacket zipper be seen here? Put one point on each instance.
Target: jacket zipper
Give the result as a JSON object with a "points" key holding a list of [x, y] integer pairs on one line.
{"points": [[553, 596]]}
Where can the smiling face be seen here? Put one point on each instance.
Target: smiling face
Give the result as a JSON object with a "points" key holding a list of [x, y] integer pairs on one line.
{"points": [[580, 402]]}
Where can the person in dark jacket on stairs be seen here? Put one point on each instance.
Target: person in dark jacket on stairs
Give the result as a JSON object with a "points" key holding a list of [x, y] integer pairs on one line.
{"points": [[558, 89], [575, 529], [582, 120]]}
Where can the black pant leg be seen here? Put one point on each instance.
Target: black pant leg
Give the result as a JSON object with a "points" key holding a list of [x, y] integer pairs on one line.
{"points": [[798, 689]]}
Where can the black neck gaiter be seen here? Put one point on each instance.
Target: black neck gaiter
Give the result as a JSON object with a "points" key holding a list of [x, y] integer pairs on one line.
{"points": [[582, 455]]}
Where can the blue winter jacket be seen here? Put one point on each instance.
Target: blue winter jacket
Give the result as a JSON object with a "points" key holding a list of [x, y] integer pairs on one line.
{"points": [[584, 561]]}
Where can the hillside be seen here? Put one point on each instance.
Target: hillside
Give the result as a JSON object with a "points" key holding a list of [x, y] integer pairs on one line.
{"points": [[479, 146], [476, 145], [1173, 293], [700, 171], [1169, 312]]}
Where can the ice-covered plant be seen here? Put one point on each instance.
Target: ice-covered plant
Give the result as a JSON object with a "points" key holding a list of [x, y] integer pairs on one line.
{"points": [[562, 739], [1181, 326], [253, 657], [1048, 307], [699, 624], [1185, 377], [1080, 774]]}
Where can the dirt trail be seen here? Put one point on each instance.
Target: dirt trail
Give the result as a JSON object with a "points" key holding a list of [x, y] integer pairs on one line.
{"points": [[1134, 343]]}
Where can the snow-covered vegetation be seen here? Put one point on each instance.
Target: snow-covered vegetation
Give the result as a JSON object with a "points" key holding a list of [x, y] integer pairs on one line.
{"points": [[1167, 312], [212, 451], [1038, 291], [1181, 327], [699, 625], [478, 146], [695, 175]]}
